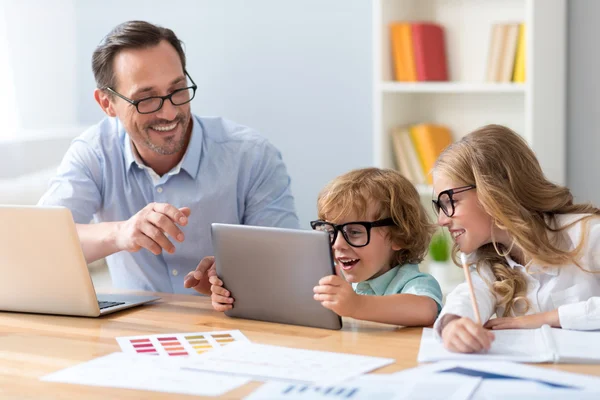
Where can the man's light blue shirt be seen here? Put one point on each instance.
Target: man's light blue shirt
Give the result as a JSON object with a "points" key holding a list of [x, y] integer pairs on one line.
{"points": [[229, 174], [402, 279]]}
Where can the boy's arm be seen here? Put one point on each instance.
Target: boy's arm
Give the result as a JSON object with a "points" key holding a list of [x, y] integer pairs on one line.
{"points": [[397, 309]]}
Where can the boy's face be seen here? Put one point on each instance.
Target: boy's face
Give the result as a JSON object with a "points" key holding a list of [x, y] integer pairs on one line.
{"points": [[361, 263]]}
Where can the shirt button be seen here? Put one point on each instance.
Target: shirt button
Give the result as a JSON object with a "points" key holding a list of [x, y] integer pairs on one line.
{"points": [[159, 190], [175, 272]]}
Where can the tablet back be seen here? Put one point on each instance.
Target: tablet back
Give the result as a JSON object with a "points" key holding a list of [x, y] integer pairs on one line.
{"points": [[271, 273]]}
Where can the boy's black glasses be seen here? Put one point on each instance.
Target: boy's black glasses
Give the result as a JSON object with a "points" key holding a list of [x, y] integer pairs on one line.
{"points": [[152, 104], [357, 234], [445, 202]]}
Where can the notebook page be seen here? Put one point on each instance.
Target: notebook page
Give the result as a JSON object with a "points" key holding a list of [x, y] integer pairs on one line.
{"points": [[520, 345], [577, 346]]}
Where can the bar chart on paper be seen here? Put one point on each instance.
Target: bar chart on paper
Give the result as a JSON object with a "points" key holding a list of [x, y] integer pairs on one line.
{"points": [[179, 344]]}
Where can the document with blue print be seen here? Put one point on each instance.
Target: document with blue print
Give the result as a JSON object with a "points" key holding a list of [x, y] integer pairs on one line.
{"points": [[545, 344], [509, 380], [374, 386]]}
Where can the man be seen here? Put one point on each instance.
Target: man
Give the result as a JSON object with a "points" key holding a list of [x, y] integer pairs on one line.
{"points": [[153, 176]]}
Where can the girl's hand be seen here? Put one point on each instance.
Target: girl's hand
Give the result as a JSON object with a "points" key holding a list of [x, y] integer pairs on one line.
{"points": [[462, 335], [221, 298], [336, 294], [532, 321]]}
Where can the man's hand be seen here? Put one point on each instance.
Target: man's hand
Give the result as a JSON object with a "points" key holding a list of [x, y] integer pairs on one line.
{"points": [[462, 335], [532, 321], [336, 294], [149, 228], [199, 279]]}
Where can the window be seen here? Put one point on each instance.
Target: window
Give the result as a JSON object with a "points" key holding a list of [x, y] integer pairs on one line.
{"points": [[8, 104]]}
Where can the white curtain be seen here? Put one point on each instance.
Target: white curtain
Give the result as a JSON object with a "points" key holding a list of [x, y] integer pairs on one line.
{"points": [[8, 102]]}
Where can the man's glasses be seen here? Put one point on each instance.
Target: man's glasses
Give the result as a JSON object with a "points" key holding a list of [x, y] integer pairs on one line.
{"points": [[152, 104], [445, 202], [357, 234]]}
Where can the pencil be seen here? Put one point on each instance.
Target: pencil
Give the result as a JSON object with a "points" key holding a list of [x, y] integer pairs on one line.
{"points": [[463, 258]]}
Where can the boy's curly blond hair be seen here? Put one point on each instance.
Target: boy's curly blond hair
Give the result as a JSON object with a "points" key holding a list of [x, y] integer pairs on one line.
{"points": [[391, 195]]}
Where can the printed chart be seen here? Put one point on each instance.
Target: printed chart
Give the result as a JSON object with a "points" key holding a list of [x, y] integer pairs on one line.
{"points": [[179, 344]]}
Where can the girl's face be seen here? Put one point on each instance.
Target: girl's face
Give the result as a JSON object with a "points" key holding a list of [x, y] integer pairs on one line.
{"points": [[362, 263], [470, 226]]}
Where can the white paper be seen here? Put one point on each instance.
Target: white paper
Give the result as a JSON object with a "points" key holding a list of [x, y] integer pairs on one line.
{"points": [[521, 345], [499, 389], [188, 344], [577, 346], [264, 362], [129, 371], [380, 387]]}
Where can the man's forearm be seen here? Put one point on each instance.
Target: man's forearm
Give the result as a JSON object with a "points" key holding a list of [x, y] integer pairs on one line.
{"points": [[98, 240]]}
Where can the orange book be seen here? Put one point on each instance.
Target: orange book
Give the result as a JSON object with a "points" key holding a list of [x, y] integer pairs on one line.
{"points": [[430, 140], [403, 58]]}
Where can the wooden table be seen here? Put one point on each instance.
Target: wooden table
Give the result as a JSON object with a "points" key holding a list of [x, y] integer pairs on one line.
{"points": [[32, 346]]}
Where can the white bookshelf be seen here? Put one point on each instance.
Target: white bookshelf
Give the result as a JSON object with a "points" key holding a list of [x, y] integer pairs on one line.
{"points": [[534, 109]]}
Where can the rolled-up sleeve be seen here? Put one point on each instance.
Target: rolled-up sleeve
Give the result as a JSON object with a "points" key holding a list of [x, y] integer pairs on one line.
{"points": [[458, 302], [78, 183]]}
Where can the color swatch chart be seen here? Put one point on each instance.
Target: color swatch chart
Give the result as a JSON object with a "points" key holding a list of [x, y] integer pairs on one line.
{"points": [[179, 344]]}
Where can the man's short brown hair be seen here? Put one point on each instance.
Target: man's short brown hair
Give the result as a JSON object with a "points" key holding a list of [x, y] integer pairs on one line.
{"points": [[129, 35]]}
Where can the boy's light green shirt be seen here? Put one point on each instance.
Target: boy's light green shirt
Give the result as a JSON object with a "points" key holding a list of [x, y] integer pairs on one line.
{"points": [[405, 279]]}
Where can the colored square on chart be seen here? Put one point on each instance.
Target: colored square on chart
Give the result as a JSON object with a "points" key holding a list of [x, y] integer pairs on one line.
{"points": [[179, 344]]}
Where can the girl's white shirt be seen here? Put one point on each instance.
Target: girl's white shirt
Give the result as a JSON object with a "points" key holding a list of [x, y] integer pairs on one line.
{"points": [[568, 288]]}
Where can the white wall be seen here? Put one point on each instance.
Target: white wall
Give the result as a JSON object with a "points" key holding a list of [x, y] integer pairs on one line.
{"points": [[298, 71], [583, 100], [41, 37]]}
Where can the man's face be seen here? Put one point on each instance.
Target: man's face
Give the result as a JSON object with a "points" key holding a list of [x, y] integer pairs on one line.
{"points": [[142, 73]]}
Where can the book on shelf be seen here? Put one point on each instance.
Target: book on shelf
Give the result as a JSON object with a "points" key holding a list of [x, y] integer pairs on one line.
{"points": [[418, 51], [402, 53], [506, 53], [519, 73], [417, 147]]}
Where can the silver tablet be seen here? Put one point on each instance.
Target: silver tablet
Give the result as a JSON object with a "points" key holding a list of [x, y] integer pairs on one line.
{"points": [[271, 273]]}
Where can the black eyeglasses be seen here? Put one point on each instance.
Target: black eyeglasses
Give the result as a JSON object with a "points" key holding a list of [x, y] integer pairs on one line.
{"points": [[445, 202], [152, 104], [357, 234]]}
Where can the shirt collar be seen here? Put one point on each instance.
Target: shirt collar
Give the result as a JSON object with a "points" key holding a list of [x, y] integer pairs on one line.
{"points": [[377, 285], [534, 269], [190, 162]]}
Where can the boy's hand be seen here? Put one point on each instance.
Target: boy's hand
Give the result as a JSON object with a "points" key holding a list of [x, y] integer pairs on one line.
{"points": [[336, 294], [462, 335], [220, 297]]}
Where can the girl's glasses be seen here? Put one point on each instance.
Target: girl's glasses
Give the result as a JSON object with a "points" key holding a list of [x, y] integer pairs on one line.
{"points": [[445, 202]]}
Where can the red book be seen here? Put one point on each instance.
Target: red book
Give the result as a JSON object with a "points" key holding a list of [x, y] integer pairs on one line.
{"points": [[430, 52]]}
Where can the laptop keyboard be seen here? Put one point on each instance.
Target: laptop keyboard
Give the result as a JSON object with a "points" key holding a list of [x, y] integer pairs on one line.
{"points": [[106, 304]]}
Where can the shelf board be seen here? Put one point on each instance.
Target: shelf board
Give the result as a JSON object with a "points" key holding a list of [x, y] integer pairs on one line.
{"points": [[451, 87]]}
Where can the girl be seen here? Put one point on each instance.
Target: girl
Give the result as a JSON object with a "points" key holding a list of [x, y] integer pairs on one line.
{"points": [[379, 232], [533, 253]]}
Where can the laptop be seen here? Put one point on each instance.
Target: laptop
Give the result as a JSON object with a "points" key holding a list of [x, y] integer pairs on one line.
{"points": [[271, 273], [42, 267]]}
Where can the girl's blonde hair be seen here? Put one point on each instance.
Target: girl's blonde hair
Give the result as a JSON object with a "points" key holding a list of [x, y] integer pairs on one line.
{"points": [[391, 195], [513, 190]]}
